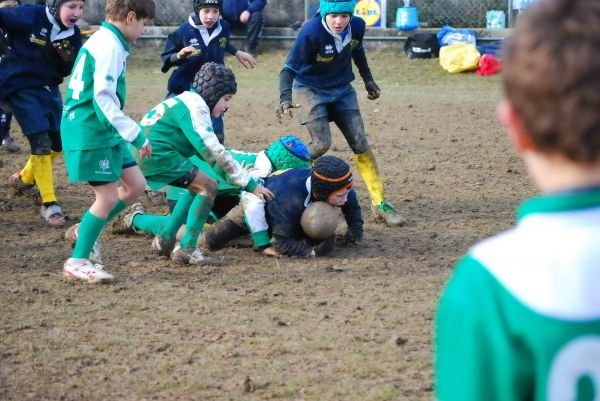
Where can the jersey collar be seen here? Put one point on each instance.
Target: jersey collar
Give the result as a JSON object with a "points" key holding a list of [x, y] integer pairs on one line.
{"points": [[117, 33], [56, 33], [206, 35], [561, 202], [340, 42], [309, 189]]}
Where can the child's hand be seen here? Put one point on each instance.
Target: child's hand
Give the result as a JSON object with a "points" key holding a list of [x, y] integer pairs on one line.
{"points": [[186, 52], [270, 251], [146, 150], [250, 167], [245, 17], [263, 193], [373, 90], [285, 109], [246, 59], [64, 50]]}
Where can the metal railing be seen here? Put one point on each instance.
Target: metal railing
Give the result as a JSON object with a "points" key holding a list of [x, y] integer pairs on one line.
{"points": [[432, 13]]}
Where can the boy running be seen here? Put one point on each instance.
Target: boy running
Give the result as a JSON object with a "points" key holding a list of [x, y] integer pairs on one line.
{"points": [[95, 130], [320, 63], [43, 43], [520, 318]]}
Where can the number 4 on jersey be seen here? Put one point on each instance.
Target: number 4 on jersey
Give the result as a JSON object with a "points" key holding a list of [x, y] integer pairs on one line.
{"points": [[76, 84]]}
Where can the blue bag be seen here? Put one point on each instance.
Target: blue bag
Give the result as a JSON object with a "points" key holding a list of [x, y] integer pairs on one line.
{"points": [[450, 36]]}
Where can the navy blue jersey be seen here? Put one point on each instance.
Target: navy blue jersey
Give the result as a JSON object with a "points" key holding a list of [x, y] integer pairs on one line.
{"points": [[283, 212], [232, 9], [321, 60], [31, 61], [210, 45]]}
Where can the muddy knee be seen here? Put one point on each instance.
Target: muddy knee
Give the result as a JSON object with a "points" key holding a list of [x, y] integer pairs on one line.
{"points": [[224, 230], [351, 124], [320, 136]]}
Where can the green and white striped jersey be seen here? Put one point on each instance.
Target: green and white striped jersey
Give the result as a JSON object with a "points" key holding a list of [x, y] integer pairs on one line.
{"points": [[92, 114], [520, 317]]}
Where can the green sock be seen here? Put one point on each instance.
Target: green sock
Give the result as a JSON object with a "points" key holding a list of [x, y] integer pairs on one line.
{"points": [[89, 231], [119, 207], [197, 216], [150, 223], [165, 226]]}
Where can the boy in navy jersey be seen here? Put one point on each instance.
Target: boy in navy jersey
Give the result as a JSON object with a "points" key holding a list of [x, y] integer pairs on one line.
{"points": [[520, 318], [320, 63], [203, 38], [329, 180], [43, 43]]}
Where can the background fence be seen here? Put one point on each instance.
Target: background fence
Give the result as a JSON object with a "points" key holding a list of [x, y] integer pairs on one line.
{"points": [[282, 13]]}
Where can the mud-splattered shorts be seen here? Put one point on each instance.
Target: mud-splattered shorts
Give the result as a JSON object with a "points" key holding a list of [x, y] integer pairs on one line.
{"points": [[318, 103]]}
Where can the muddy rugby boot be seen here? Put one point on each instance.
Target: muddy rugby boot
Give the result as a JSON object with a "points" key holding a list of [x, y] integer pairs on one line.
{"points": [[123, 223], [53, 215], [11, 145], [195, 258], [388, 213], [83, 269], [71, 238], [156, 198], [30, 191], [161, 246]]}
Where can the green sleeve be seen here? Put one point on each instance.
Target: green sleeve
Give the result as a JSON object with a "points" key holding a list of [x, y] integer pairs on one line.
{"points": [[477, 353], [252, 184]]}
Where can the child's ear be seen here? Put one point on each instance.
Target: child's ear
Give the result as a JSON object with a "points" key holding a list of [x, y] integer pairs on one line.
{"points": [[131, 17], [515, 128]]}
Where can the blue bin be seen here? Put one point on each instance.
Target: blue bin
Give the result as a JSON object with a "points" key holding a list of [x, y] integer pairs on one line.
{"points": [[407, 18]]}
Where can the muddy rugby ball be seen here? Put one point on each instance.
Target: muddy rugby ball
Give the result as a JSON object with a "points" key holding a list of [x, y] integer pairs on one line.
{"points": [[319, 220]]}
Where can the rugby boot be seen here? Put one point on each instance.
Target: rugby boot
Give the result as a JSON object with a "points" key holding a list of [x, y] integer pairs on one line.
{"points": [[388, 213], [29, 191], [123, 223], [192, 258]]}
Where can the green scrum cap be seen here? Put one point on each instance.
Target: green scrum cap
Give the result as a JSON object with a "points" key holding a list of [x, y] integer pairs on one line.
{"points": [[288, 152], [336, 7]]}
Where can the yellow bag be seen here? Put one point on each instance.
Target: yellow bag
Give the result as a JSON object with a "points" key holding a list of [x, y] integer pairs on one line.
{"points": [[459, 58]]}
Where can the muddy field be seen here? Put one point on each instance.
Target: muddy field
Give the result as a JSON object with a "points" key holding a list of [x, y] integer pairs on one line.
{"points": [[356, 325]]}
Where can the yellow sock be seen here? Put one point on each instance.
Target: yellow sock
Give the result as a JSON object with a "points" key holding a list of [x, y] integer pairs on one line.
{"points": [[42, 170], [367, 167], [27, 173]]}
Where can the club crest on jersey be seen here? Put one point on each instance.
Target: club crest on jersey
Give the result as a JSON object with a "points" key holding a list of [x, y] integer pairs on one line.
{"points": [[223, 42], [322, 59], [37, 41], [44, 32], [329, 49], [104, 164], [194, 42]]}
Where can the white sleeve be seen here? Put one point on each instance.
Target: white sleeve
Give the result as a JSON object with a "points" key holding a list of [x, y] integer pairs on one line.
{"points": [[263, 166], [107, 71], [254, 210]]}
